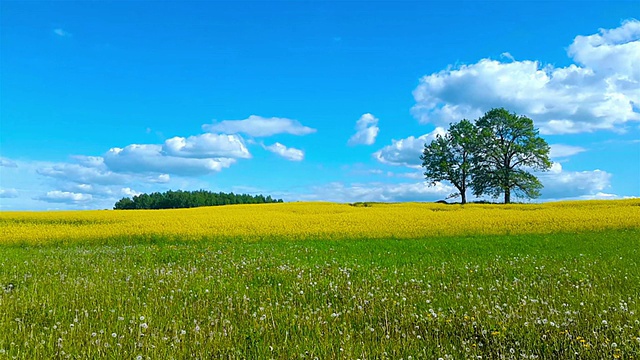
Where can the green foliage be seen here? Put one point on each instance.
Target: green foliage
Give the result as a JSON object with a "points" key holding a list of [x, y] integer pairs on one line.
{"points": [[494, 156], [450, 157], [508, 147], [188, 199]]}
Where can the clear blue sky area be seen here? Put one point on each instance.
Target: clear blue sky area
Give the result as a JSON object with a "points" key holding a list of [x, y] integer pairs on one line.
{"points": [[305, 100]]}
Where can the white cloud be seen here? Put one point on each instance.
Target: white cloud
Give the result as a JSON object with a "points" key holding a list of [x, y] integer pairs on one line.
{"points": [[8, 193], [406, 152], [563, 151], [66, 197], [292, 154], [89, 161], [259, 126], [207, 146], [150, 158], [601, 91], [159, 179], [366, 131], [128, 192], [603, 196], [561, 184], [7, 163], [61, 33], [33, 179], [419, 191], [612, 52], [82, 174]]}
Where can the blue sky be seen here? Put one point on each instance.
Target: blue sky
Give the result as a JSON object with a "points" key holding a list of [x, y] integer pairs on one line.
{"points": [[305, 100]]}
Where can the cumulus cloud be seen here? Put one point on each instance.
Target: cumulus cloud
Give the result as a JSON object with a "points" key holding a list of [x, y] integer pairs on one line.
{"points": [[207, 146], [89, 161], [82, 174], [66, 197], [8, 193], [291, 154], [159, 179], [563, 151], [128, 192], [559, 184], [150, 158], [385, 192], [612, 52], [7, 163], [366, 131], [599, 91], [259, 126], [406, 152]]}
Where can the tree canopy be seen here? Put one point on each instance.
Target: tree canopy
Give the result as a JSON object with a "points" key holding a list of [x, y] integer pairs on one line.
{"points": [[509, 147], [450, 157], [188, 199], [495, 156]]}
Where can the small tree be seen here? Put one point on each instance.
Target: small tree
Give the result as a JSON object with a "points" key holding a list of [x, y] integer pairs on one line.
{"points": [[450, 157], [508, 148]]}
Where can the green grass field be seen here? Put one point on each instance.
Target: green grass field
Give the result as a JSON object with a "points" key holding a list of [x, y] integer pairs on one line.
{"points": [[558, 296]]}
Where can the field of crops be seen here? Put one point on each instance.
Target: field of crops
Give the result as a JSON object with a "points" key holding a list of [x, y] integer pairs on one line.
{"points": [[318, 221], [324, 281]]}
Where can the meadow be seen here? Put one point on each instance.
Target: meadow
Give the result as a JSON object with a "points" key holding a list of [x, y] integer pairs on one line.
{"points": [[324, 281]]}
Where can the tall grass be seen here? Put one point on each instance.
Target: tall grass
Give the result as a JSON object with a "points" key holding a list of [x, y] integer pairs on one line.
{"points": [[542, 296]]}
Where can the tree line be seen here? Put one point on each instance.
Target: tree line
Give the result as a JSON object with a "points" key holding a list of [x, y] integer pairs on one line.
{"points": [[189, 199], [494, 156]]}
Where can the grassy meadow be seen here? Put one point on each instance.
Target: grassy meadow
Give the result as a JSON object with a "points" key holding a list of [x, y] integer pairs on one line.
{"points": [[324, 281]]}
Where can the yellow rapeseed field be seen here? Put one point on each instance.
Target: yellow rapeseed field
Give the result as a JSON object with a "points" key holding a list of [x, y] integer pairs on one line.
{"points": [[319, 220]]}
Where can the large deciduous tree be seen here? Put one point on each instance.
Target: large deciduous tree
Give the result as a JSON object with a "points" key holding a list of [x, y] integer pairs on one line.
{"points": [[508, 148], [450, 157]]}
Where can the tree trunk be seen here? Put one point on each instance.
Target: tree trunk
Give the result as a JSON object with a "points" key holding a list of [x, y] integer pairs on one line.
{"points": [[507, 196], [464, 196]]}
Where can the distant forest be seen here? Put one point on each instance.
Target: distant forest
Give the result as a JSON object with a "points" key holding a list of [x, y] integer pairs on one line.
{"points": [[189, 199]]}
